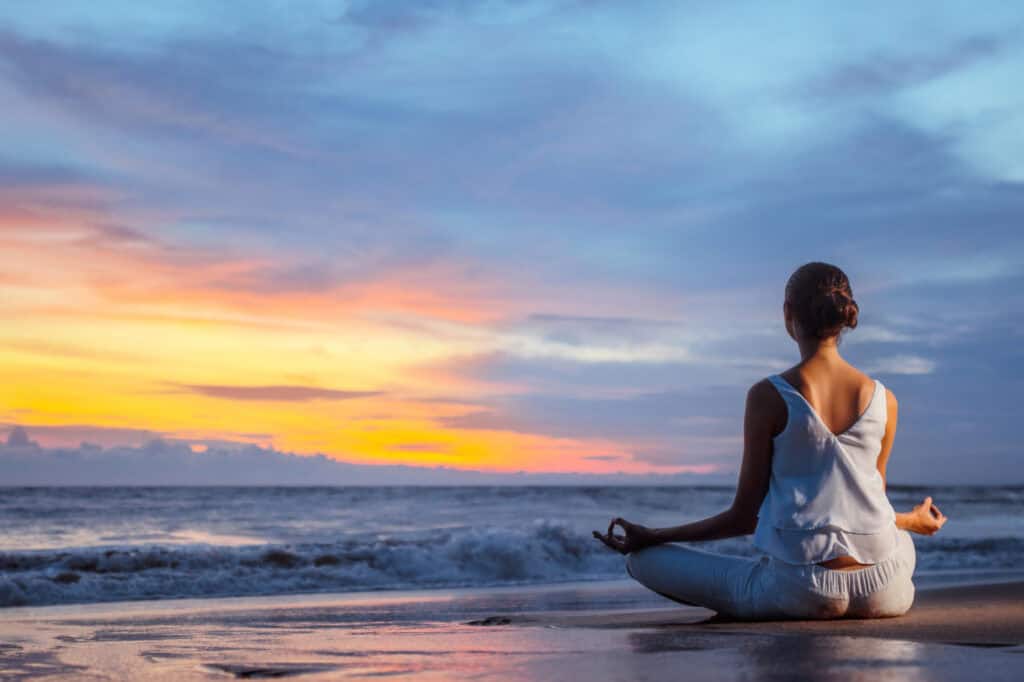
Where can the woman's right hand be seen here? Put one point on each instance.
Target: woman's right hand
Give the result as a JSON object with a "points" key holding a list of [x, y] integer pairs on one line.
{"points": [[927, 518], [637, 536]]}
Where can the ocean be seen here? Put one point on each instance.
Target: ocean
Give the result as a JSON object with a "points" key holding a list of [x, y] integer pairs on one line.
{"points": [[84, 545]]}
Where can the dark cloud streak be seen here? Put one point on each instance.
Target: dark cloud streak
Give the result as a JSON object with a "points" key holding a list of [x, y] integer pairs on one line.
{"points": [[884, 74], [274, 393]]}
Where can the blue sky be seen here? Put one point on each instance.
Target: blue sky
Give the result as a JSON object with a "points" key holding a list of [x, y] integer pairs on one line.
{"points": [[588, 211]]}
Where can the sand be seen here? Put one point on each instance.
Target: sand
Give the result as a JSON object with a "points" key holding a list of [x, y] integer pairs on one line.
{"points": [[970, 615], [568, 632]]}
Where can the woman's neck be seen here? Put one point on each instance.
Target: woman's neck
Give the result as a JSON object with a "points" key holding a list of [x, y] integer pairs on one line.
{"points": [[819, 350]]}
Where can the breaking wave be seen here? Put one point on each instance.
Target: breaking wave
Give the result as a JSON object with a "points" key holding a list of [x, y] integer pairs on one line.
{"points": [[537, 553]]}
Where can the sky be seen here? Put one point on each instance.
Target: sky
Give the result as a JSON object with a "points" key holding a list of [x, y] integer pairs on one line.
{"points": [[499, 236]]}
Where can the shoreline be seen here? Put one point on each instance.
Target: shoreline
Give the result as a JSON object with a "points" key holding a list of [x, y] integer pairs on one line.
{"points": [[924, 581]]}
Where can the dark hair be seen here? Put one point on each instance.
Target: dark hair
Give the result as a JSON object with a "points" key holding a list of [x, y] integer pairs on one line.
{"points": [[821, 300]]}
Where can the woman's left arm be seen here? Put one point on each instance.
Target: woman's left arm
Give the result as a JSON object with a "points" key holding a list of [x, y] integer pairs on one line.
{"points": [[764, 415], [925, 518]]}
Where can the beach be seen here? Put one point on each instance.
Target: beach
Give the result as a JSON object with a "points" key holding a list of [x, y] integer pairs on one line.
{"points": [[563, 632]]}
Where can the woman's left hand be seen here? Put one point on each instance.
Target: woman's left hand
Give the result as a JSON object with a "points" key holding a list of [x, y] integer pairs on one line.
{"points": [[929, 518], [636, 537]]}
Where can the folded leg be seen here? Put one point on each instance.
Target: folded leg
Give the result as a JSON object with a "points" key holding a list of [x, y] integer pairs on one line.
{"points": [[726, 584]]}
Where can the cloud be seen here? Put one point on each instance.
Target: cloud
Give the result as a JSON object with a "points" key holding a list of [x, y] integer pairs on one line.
{"points": [[176, 462], [269, 280], [603, 458], [143, 93], [902, 364], [699, 426], [18, 438], [884, 73], [876, 334], [71, 435], [572, 339], [592, 339], [275, 393]]}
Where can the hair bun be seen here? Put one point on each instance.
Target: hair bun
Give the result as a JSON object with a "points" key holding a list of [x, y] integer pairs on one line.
{"points": [[821, 300], [851, 312]]}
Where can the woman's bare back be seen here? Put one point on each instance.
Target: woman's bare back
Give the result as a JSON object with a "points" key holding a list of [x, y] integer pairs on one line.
{"points": [[839, 394], [837, 391]]}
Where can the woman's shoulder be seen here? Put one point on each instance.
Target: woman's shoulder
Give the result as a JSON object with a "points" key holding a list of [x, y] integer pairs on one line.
{"points": [[890, 399], [764, 391], [765, 402]]}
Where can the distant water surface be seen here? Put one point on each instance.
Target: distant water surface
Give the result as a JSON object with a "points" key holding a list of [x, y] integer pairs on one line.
{"points": [[76, 545]]}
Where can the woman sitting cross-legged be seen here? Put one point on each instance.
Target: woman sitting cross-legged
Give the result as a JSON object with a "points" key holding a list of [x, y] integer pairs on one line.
{"points": [[811, 489]]}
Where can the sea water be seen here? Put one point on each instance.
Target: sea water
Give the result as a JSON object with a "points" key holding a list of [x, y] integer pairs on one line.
{"points": [[79, 545]]}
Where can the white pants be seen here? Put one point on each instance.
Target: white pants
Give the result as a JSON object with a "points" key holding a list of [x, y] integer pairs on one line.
{"points": [[765, 588]]}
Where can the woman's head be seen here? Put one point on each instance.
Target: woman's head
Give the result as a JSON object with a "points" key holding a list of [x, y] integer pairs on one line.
{"points": [[819, 302]]}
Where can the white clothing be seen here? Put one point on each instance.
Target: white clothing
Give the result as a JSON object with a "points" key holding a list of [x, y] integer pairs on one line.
{"points": [[826, 497], [765, 588]]}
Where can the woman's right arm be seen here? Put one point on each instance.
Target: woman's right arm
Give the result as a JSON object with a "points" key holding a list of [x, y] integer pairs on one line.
{"points": [[925, 518], [764, 416]]}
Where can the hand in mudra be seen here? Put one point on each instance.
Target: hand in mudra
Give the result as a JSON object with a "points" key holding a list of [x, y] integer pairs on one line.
{"points": [[929, 518], [636, 536]]}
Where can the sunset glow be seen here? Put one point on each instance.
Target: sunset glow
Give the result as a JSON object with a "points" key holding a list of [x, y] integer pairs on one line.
{"points": [[160, 344], [543, 238]]}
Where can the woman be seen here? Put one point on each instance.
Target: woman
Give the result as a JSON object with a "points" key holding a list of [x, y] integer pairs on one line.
{"points": [[811, 489]]}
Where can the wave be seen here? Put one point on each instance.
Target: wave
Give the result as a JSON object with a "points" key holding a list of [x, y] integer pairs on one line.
{"points": [[541, 552]]}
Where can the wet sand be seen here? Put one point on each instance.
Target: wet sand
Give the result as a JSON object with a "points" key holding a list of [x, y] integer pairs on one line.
{"points": [[970, 615], [569, 632]]}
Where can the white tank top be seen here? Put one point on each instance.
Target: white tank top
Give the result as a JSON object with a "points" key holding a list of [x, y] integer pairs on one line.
{"points": [[826, 497]]}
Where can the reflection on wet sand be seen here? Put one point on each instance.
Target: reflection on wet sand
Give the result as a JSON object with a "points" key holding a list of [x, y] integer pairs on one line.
{"points": [[798, 657], [486, 635]]}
